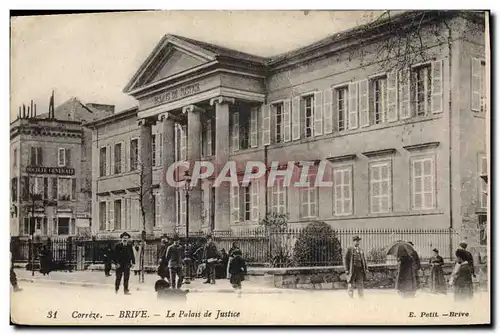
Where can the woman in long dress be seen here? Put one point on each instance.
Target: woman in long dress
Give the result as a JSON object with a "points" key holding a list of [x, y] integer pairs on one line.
{"points": [[406, 278], [137, 249], [437, 281], [461, 277]]}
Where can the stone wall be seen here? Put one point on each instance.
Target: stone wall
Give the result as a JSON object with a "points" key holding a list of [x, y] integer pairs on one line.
{"points": [[333, 277]]}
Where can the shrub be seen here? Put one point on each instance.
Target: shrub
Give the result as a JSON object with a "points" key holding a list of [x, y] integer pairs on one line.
{"points": [[317, 245], [377, 255]]}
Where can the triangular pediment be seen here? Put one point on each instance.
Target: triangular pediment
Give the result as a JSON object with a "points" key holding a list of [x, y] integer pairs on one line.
{"points": [[170, 57], [177, 62]]}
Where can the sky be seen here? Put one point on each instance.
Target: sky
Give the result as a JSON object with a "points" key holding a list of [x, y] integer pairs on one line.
{"points": [[93, 56]]}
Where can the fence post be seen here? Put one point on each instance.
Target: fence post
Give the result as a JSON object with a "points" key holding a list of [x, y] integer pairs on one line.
{"points": [[92, 243], [451, 243], [69, 252]]}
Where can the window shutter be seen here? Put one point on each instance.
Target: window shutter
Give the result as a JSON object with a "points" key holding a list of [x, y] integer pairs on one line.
{"points": [[255, 200], [235, 204], [124, 157], [45, 188], [112, 159], [236, 131], [353, 105], [68, 157], [108, 160], [335, 112], [111, 214], [32, 156], [286, 121], [40, 152], [266, 124], [392, 97], [73, 189], [209, 138], [318, 113], [254, 139], [476, 85], [437, 86], [327, 112], [404, 94], [364, 120], [54, 188], [296, 119], [123, 221]]}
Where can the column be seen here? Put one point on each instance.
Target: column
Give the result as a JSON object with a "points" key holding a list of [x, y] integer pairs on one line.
{"points": [[193, 155], [168, 215], [222, 138], [146, 174]]}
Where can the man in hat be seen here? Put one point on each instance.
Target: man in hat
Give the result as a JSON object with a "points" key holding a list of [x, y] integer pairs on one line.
{"points": [[174, 256], [355, 268], [469, 258], [162, 262], [210, 256], [124, 259]]}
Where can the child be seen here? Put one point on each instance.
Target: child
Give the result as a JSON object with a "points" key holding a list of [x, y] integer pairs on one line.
{"points": [[461, 277], [237, 270]]}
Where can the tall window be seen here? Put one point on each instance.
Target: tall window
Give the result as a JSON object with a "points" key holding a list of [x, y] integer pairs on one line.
{"points": [[278, 197], [15, 158], [235, 204], [422, 89], [102, 215], [208, 138], [278, 122], [61, 157], [13, 185], [36, 156], [63, 226], [134, 154], [118, 158], [64, 191], [378, 86], [118, 214], [423, 179], [308, 102], [342, 185], [181, 208], [341, 102], [245, 203], [102, 162], [380, 187], [483, 185], [309, 198], [482, 87]]}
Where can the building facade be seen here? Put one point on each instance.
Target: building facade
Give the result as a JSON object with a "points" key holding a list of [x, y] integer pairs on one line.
{"points": [[50, 170], [402, 144]]}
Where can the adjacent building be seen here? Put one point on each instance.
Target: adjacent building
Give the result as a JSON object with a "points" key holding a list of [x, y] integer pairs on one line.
{"points": [[406, 146], [50, 170]]}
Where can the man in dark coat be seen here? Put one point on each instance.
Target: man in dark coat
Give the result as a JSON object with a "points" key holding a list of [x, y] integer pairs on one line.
{"points": [[162, 262], [174, 256], [107, 255], [210, 257], [124, 259], [355, 268], [417, 267], [469, 258]]}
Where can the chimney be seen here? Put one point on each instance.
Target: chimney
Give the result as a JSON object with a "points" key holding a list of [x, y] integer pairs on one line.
{"points": [[24, 111], [35, 110], [31, 108]]}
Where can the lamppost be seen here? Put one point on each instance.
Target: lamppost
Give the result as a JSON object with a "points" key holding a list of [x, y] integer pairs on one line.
{"points": [[187, 190]]}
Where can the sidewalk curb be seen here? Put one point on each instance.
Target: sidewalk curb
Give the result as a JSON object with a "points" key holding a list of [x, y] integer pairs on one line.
{"points": [[144, 289]]}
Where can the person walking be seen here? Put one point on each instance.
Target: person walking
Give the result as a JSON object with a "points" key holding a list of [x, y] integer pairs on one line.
{"points": [[233, 248], [437, 281], [469, 258], [417, 267], [107, 256], [355, 268], [237, 270], [137, 250], [406, 278], [45, 260], [461, 277], [124, 259], [174, 258], [210, 257]]}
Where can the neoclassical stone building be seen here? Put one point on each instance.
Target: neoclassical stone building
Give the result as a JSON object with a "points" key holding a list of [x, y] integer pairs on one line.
{"points": [[405, 146]]}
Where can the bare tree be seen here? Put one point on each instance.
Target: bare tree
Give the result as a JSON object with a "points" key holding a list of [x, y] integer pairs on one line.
{"points": [[402, 39]]}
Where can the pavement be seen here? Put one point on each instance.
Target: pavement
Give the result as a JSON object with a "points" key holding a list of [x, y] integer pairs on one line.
{"points": [[98, 279]]}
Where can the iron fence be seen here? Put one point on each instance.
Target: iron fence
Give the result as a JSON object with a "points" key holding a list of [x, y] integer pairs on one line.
{"points": [[289, 247]]}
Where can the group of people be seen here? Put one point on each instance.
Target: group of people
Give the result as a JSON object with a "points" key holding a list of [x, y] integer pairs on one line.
{"points": [[410, 272], [176, 263]]}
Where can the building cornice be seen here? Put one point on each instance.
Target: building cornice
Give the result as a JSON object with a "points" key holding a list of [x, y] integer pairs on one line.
{"points": [[128, 113]]}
